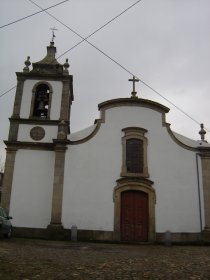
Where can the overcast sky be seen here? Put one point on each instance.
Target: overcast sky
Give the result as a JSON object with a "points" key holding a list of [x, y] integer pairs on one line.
{"points": [[166, 43]]}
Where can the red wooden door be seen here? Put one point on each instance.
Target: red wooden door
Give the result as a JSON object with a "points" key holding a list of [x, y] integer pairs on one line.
{"points": [[134, 216]]}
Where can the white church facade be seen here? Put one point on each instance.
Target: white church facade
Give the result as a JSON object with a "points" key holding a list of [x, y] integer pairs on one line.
{"points": [[126, 178]]}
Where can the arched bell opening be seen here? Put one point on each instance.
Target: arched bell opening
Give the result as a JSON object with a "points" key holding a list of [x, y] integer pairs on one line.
{"points": [[41, 101]]}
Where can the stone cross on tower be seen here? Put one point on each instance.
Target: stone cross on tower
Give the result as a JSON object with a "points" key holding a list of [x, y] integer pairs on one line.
{"points": [[134, 80], [53, 33]]}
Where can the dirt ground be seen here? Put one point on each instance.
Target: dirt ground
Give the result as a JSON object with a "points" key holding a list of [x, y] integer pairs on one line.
{"points": [[27, 259]]}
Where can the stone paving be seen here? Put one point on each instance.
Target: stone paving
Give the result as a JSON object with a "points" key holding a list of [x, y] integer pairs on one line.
{"points": [[27, 259]]}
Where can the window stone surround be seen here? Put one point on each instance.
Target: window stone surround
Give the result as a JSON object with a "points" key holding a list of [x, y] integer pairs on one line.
{"points": [[134, 133]]}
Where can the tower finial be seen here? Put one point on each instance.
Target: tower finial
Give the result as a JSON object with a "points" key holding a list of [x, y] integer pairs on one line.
{"points": [[53, 34], [134, 93], [66, 66], [202, 133], [27, 64]]}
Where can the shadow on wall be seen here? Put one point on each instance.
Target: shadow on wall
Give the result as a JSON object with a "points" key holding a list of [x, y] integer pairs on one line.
{"points": [[1, 182]]}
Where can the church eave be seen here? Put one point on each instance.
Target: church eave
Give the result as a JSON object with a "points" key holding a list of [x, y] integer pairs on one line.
{"points": [[133, 102]]}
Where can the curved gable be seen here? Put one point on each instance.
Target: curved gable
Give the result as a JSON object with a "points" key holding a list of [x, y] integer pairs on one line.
{"points": [[119, 102], [182, 141], [133, 102]]}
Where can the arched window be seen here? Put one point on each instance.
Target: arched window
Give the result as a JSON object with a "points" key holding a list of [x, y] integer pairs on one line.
{"points": [[41, 101], [134, 152], [134, 155]]}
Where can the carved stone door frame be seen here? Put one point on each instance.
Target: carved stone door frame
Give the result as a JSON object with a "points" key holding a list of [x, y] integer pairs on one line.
{"points": [[138, 184]]}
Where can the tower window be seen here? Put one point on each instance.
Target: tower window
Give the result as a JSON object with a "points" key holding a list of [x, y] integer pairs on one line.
{"points": [[41, 102]]}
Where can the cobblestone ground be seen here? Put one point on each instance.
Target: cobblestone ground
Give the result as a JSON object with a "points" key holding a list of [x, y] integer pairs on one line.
{"points": [[25, 259]]}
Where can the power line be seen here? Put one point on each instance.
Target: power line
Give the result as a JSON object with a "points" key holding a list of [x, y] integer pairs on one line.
{"points": [[7, 91], [94, 32], [178, 108], [13, 22], [83, 39], [102, 52], [113, 60], [76, 33]]}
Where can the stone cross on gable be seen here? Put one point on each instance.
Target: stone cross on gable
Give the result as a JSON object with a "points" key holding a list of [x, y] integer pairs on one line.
{"points": [[134, 80]]}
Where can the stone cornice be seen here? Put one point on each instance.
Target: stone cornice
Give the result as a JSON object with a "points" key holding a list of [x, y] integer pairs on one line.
{"points": [[35, 121], [127, 180], [43, 76], [133, 102], [30, 145], [203, 149], [57, 144], [204, 152], [61, 142]]}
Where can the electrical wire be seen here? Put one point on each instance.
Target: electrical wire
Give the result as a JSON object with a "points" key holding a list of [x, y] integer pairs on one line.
{"points": [[76, 33], [13, 22], [83, 39], [106, 55], [173, 104], [7, 91], [109, 57]]}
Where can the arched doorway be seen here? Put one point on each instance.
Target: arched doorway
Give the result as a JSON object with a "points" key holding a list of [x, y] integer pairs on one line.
{"points": [[134, 216], [134, 210]]}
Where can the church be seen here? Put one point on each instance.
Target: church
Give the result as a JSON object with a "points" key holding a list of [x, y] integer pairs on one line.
{"points": [[128, 177]]}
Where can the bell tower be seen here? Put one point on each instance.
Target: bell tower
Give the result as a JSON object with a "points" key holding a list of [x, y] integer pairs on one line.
{"points": [[43, 96], [39, 126]]}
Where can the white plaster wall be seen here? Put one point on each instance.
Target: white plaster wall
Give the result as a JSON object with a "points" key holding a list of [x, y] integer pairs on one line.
{"points": [[24, 133], [56, 100], [200, 190], [27, 96], [92, 169], [173, 170], [90, 175], [31, 197], [82, 133]]}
